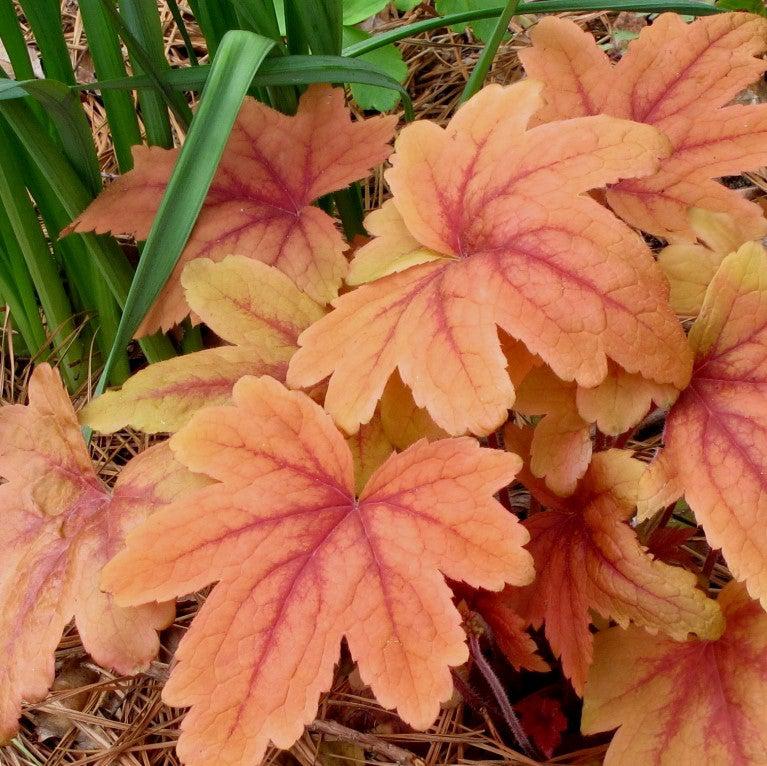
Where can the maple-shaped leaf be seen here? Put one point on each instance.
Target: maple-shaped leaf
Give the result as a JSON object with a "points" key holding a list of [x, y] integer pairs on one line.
{"points": [[715, 451], [507, 239], [301, 562], [260, 201], [588, 558], [247, 303], [60, 526], [543, 721], [680, 78], [690, 266], [683, 703]]}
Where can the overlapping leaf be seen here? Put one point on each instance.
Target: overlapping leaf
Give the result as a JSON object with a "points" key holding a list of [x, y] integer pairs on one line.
{"points": [[301, 562], [588, 558], [690, 266], [60, 526], [716, 434], [509, 631], [489, 227], [621, 400], [561, 447], [403, 421], [543, 721], [681, 78], [247, 303], [259, 204], [370, 447], [683, 703]]}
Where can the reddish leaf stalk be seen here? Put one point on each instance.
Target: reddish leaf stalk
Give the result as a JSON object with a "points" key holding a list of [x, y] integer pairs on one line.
{"points": [[500, 695]]}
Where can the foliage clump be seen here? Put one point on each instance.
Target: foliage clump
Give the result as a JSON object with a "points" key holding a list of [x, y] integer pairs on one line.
{"points": [[325, 469]]}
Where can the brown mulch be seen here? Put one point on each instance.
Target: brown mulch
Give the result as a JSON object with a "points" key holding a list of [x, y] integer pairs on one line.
{"points": [[93, 717]]}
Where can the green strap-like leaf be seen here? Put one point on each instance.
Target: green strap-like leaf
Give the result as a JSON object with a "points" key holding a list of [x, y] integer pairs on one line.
{"points": [[64, 108], [691, 8], [238, 58], [286, 70]]}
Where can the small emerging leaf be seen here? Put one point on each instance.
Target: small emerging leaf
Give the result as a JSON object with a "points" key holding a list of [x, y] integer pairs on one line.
{"points": [[509, 631], [543, 721], [588, 558], [690, 266], [560, 450]]}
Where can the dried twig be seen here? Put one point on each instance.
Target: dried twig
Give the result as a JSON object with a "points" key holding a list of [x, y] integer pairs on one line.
{"points": [[367, 741]]}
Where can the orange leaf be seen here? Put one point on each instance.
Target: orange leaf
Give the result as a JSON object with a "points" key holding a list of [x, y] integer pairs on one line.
{"points": [[300, 563], [690, 266], [588, 558], [683, 703], [561, 447], [519, 247], [714, 450], [260, 202], [680, 78], [509, 631], [247, 303], [561, 444], [60, 526], [621, 400], [370, 447], [403, 421]]}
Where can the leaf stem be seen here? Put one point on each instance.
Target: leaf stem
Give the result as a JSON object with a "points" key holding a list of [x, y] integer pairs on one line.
{"points": [[500, 695]]}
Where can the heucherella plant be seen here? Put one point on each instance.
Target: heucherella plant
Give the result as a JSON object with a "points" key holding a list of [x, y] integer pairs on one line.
{"points": [[338, 468]]}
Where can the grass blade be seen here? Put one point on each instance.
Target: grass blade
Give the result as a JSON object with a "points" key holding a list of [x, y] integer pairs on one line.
{"points": [[179, 106], [66, 112], [73, 198], [178, 19], [108, 61], [13, 42], [485, 61], [19, 290], [143, 20], [238, 58], [259, 16], [215, 19], [44, 17], [26, 232], [88, 291], [319, 22], [691, 8], [286, 70]]}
